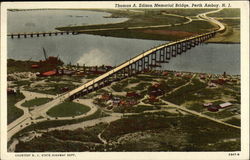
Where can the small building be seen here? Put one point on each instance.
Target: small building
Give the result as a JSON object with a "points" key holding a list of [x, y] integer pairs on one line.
{"points": [[152, 98], [132, 95], [213, 108], [106, 96], [11, 91], [34, 66], [212, 85], [224, 105], [207, 104], [49, 73], [164, 73], [202, 76]]}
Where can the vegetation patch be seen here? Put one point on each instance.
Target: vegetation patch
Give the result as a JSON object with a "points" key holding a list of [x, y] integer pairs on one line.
{"points": [[186, 93], [84, 135], [234, 121], [36, 102], [12, 111], [57, 123], [68, 109]]}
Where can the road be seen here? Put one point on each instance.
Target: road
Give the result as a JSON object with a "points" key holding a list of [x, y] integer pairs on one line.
{"points": [[28, 118], [199, 114]]}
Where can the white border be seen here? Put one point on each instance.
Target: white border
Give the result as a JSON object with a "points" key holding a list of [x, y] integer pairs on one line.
{"points": [[244, 153]]}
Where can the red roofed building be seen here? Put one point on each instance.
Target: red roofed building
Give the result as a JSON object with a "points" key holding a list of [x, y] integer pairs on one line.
{"points": [[49, 73], [132, 94], [152, 98], [106, 96], [34, 66]]}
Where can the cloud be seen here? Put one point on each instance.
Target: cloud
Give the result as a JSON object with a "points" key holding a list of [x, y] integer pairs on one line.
{"points": [[96, 57]]}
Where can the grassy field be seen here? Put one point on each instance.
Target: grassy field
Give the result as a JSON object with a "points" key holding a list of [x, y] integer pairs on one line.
{"points": [[232, 32], [57, 123], [159, 131], [12, 111], [88, 134], [150, 18], [135, 109], [227, 12], [170, 134], [68, 109], [135, 20], [36, 102], [52, 87], [185, 93], [234, 121]]}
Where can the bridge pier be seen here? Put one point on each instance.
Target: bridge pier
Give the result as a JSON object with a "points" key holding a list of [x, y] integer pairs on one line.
{"points": [[173, 50], [179, 48], [153, 59], [31, 35], [37, 34], [12, 36], [168, 52], [184, 46], [196, 41], [18, 36], [146, 62], [162, 55], [192, 43]]}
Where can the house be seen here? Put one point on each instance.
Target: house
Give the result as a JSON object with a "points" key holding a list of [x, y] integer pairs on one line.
{"points": [[213, 108], [207, 104], [106, 96], [152, 98], [224, 105], [164, 73], [11, 91], [178, 74], [202, 76], [49, 73], [212, 85], [34, 66], [132, 95]]}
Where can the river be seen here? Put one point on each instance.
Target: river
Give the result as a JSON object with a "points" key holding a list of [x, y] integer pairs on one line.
{"points": [[98, 50]]}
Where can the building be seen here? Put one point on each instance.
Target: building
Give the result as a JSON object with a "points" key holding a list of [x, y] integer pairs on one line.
{"points": [[11, 91], [106, 96], [224, 105], [132, 95], [213, 108], [49, 73], [207, 104]]}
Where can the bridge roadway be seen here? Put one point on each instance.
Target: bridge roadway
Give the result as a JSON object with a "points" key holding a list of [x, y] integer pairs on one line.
{"points": [[38, 34], [28, 118]]}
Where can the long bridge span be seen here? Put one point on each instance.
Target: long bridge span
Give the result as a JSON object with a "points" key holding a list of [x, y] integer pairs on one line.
{"points": [[144, 61], [153, 57], [40, 34]]}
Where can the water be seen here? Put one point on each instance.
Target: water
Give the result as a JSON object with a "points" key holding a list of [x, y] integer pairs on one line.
{"points": [[48, 20], [98, 50]]}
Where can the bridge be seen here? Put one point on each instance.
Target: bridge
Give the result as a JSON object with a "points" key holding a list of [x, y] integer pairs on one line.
{"points": [[146, 60], [40, 34]]}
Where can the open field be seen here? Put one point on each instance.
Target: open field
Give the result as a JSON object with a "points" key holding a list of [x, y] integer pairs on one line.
{"points": [[154, 17], [145, 132], [36, 102], [57, 123], [12, 111], [68, 109]]}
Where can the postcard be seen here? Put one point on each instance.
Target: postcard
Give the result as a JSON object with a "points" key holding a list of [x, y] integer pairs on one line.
{"points": [[125, 80]]}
